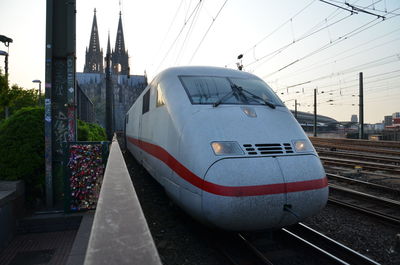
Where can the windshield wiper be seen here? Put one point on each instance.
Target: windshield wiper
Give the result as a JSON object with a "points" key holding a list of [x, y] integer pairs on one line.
{"points": [[228, 95], [266, 102]]}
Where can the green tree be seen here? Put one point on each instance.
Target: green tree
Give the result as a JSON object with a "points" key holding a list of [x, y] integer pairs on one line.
{"points": [[22, 150], [16, 97]]}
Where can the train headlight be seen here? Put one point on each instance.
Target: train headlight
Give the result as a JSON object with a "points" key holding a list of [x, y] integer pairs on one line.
{"points": [[302, 146], [226, 148]]}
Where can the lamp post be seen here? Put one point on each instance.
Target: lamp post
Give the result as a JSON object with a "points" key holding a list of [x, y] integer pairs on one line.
{"points": [[6, 41], [6, 73], [40, 88], [4, 53], [240, 64]]}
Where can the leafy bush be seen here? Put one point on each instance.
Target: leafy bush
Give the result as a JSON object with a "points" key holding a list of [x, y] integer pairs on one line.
{"points": [[22, 149], [90, 132]]}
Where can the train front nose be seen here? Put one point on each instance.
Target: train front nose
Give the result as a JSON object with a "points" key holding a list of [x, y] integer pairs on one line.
{"points": [[252, 193]]}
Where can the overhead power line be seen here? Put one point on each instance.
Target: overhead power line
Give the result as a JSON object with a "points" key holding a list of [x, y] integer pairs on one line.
{"points": [[270, 55], [276, 29], [348, 70], [188, 33], [336, 41], [180, 32], [205, 34]]}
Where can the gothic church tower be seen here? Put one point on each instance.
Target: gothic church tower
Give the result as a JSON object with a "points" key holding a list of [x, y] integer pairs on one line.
{"points": [[119, 57], [94, 55]]}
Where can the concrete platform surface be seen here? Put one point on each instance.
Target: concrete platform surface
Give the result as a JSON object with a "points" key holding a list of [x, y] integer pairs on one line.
{"points": [[51, 248]]}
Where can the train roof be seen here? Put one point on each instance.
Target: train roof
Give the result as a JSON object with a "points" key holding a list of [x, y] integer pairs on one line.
{"points": [[204, 70]]}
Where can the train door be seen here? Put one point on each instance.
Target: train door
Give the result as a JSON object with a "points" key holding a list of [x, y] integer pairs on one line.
{"points": [[143, 128], [124, 131]]}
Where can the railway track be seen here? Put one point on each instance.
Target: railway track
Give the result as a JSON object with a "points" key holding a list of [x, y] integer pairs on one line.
{"points": [[360, 185], [357, 142], [297, 244], [368, 149], [390, 160], [351, 163], [383, 208]]}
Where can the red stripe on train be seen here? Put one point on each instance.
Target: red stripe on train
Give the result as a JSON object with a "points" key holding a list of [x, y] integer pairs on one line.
{"points": [[235, 191]]}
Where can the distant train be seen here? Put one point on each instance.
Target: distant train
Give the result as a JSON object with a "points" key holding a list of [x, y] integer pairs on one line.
{"points": [[226, 149]]}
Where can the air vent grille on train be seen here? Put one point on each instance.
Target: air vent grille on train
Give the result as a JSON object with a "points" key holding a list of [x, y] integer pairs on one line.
{"points": [[268, 149]]}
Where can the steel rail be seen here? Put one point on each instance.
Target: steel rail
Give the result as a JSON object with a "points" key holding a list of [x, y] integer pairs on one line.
{"points": [[358, 148], [338, 252], [365, 165], [370, 212], [387, 203], [365, 184], [306, 241], [358, 142], [237, 249], [390, 160]]}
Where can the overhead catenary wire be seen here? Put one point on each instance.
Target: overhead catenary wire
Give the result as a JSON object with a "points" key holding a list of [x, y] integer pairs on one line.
{"points": [[205, 34], [346, 71], [328, 45], [189, 31], [270, 55], [162, 43], [276, 29], [316, 65], [180, 32]]}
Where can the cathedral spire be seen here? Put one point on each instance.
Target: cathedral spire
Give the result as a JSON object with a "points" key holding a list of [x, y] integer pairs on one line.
{"points": [[94, 55], [108, 44], [120, 56]]}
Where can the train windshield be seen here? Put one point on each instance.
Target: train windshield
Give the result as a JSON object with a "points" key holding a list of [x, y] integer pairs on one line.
{"points": [[228, 90]]}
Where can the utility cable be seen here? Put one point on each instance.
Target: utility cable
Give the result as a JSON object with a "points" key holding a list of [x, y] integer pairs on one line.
{"points": [[338, 40], [194, 20], [205, 34], [180, 32], [276, 29], [277, 51], [315, 65], [169, 28]]}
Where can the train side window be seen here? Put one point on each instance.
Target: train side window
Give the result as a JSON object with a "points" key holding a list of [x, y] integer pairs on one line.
{"points": [[160, 97], [146, 102]]}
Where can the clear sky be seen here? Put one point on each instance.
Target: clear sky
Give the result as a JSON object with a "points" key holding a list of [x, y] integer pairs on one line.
{"points": [[296, 46]]}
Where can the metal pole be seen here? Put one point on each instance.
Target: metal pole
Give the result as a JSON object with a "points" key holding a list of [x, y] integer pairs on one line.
{"points": [[361, 105], [315, 112], [109, 99], [40, 91], [295, 108], [6, 110], [48, 137], [60, 109], [6, 65]]}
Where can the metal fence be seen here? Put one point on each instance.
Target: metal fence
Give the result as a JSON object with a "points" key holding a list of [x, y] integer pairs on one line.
{"points": [[85, 108]]}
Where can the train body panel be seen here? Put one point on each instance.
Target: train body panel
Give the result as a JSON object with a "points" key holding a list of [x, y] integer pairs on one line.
{"points": [[228, 158]]}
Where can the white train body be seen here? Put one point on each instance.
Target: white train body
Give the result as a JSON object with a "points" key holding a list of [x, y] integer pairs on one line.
{"points": [[237, 164]]}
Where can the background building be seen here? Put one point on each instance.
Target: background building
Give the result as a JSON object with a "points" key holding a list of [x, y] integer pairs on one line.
{"points": [[388, 120], [92, 81]]}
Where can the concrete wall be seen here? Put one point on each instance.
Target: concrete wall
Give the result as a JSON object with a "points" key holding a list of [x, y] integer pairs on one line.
{"points": [[11, 207], [120, 234]]}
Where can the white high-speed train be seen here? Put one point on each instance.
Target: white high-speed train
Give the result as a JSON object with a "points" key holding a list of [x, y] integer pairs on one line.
{"points": [[226, 149]]}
